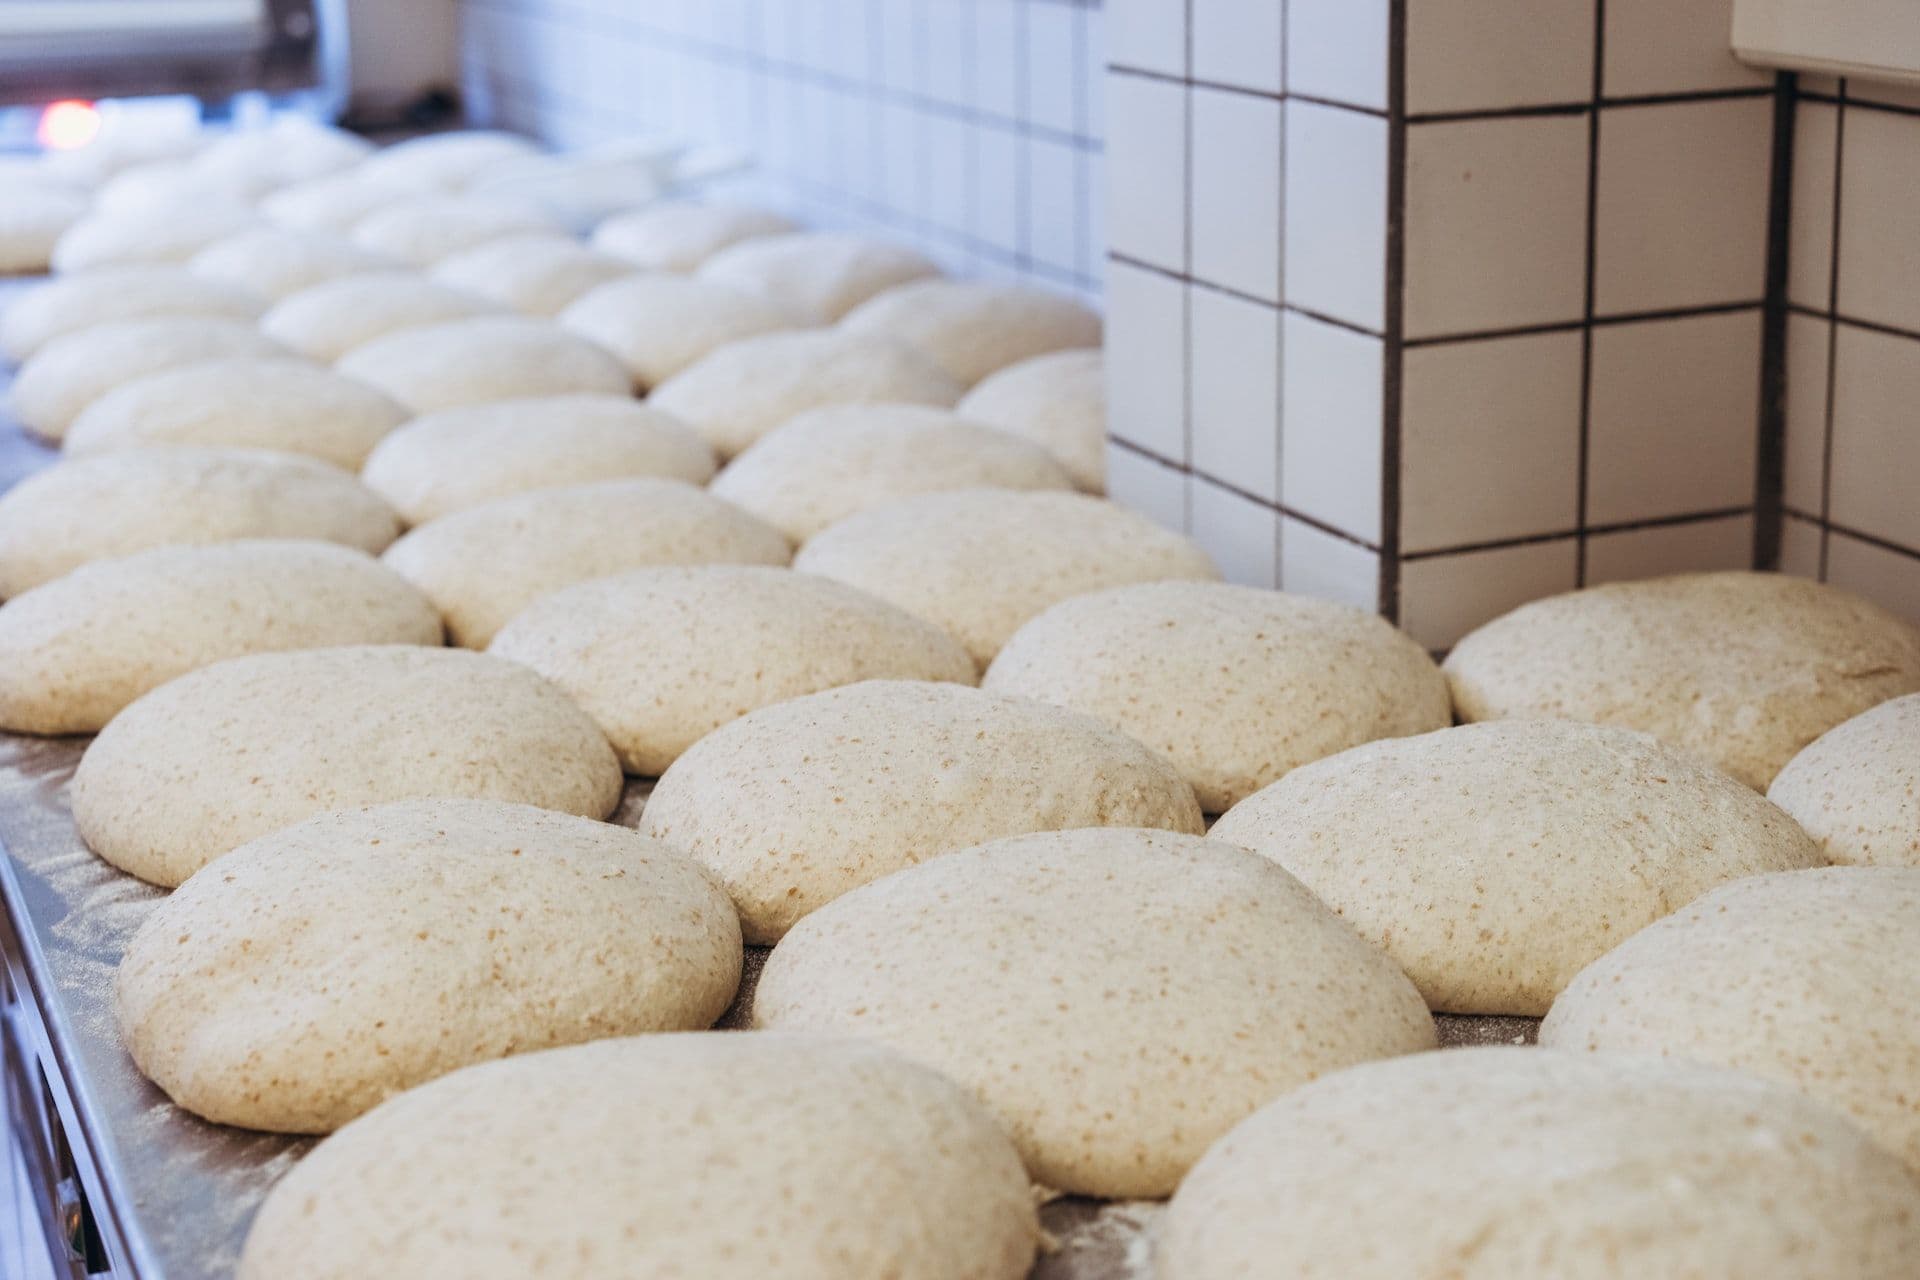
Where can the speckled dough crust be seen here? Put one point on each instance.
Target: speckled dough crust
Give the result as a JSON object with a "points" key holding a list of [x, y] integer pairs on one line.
{"points": [[1058, 401], [980, 562], [430, 229], [1061, 977], [274, 262], [662, 657], [659, 325], [314, 972], [487, 358], [817, 275], [1856, 789], [1811, 978], [1234, 685], [797, 803], [327, 321], [711, 1154], [681, 236], [972, 328], [1495, 861], [244, 747], [1512, 1164], [482, 565], [118, 503], [1743, 669], [74, 651], [118, 293], [538, 274], [823, 466]]}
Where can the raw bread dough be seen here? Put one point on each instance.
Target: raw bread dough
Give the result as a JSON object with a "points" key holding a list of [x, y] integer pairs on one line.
{"points": [[114, 293], [680, 236], [327, 321], [173, 232], [538, 274], [427, 229], [817, 276], [292, 148], [477, 361], [442, 162], [1057, 400], [33, 217], [661, 324], [972, 328], [275, 262], [1856, 789], [334, 203]]}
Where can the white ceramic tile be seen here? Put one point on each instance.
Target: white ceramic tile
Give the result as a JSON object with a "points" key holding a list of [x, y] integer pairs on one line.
{"points": [[1239, 42], [948, 204], [1050, 69], [1236, 391], [1673, 46], [1806, 416], [1675, 416], [1682, 208], [1810, 218], [996, 59], [1241, 535], [1149, 34], [1876, 438], [1315, 563], [902, 156], [1095, 167], [1147, 486], [1800, 548], [1093, 60], [1890, 579], [1698, 545], [1489, 440], [1443, 598], [1235, 203], [1879, 214], [997, 211], [1146, 345], [899, 42], [1053, 216], [947, 39], [1496, 224], [1481, 55], [1146, 170], [1334, 244], [1337, 49], [1331, 425]]}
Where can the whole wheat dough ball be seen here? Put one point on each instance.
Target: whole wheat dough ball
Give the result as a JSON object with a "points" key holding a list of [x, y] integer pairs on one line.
{"points": [[1743, 669], [424, 230], [251, 402], [275, 262], [119, 503], [68, 303], [1811, 978], [973, 328], [483, 359], [329, 320], [33, 217], [818, 276], [1504, 1163], [72, 371], [662, 657], [313, 973], [661, 324], [741, 391], [680, 236], [709, 1154], [76, 650], [235, 750], [448, 461], [827, 464], [1058, 401], [1856, 787], [482, 565], [443, 162], [981, 562], [1234, 685], [1495, 861], [334, 203], [797, 803], [171, 232], [538, 274], [1061, 977]]}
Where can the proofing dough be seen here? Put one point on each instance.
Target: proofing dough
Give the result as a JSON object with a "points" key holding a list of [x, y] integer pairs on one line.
{"points": [[443, 161], [274, 262], [430, 229], [334, 203], [1058, 401], [679, 237], [1856, 789], [816, 275], [173, 232], [477, 361], [538, 273], [661, 324], [327, 321], [972, 328], [63, 305], [33, 217]]}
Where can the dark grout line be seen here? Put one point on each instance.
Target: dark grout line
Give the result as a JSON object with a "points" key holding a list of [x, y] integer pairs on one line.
{"points": [[1278, 508], [1596, 102], [1577, 532], [1854, 322], [1597, 322]]}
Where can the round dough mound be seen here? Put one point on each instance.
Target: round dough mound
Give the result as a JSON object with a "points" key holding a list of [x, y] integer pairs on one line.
{"points": [[661, 324], [71, 303], [76, 369], [1856, 789], [428, 229], [487, 358], [145, 235], [745, 389], [1061, 977], [679, 237], [972, 328], [538, 274], [482, 565], [335, 203], [458, 458], [74, 651], [290, 149], [1234, 685], [327, 321], [1058, 401], [980, 562], [287, 404], [1495, 861], [817, 275], [322, 968], [797, 803], [158, 188], [827, 464], [33, 217], [275, 262], [1811, 978], [1504, 1162], [227, 753], [662, 657], [443, 161], [115, 504], [1743, 669], [708, 1154]]}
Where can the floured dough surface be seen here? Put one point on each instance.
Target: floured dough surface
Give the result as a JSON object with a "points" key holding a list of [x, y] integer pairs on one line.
{"points": [[429, 229], [70, 303], [680, 236], [274, 262], [1856, 788], [327, 321], [171, 232], [973, 328], [817, 275], [659, 324], [536, 273], [33, 217], [487, 358], [1058, 401]]}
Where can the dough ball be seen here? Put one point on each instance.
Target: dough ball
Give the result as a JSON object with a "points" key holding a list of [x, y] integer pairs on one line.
{"points": [[1742, 669], [1064, 979], [448, 461], [817, 275], [33, 217], [429, 229], [443, 162], [275, 262], [172, 232], [483, 359], [825, 465], [661, 324], [482, 565], [69, 303], [980, 562], [335, 203], [717, 1155], [538, 273], [1495, 861], [799, 802], [1234, 685], [327, 321], [1856, 788], [316, 971], [1811, 978], [158, 188], [972, 328], [680, 236], [235, 750], [290, 149], [1504, 1162], [1058, 401]]}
